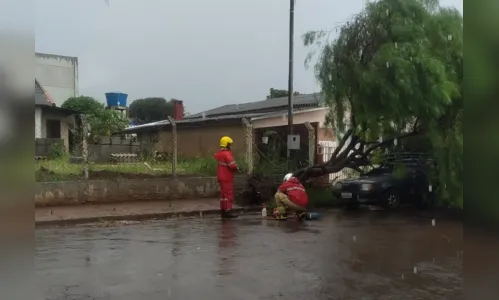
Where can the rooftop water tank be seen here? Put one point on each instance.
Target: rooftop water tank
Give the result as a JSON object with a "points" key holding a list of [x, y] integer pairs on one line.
{"points": [[116, 99]]}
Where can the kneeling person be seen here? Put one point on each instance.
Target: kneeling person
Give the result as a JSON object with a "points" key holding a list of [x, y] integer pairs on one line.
{"points": [[291, 196]]}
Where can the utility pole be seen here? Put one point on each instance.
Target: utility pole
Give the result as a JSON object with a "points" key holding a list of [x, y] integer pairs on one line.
{"points": [[290, 73]]}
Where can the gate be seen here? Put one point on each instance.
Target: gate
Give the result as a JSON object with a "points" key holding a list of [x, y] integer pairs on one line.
{"points": [[325, 150]]}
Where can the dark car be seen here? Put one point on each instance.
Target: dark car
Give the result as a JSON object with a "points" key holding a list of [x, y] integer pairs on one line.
{"points": [[388, 186]]}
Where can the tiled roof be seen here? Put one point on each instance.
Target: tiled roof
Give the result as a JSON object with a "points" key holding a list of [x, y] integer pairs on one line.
{"points": [[41, 96], [307, 100]]}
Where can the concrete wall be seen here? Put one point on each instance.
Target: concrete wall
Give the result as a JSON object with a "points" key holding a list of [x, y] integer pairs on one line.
{"points": [[199, 141], [58, 75], [101, 153], [38, 122], [43, 147], [115, 191]]}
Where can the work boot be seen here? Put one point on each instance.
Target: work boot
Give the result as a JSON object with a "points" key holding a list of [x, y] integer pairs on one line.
{"points": [[227, 214], [278, 215], [281, 217]]}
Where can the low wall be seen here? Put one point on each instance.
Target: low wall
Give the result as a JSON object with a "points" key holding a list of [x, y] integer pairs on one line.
{"points": [[101, 153], [128, 190], [43, 147]]}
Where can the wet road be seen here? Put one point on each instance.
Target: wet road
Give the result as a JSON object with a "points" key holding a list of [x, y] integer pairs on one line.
{"points": [[359, 256]]}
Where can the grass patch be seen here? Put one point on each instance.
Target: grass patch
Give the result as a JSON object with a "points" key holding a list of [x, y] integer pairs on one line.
{"points": [[270, 167], [200, 166], [61, 170], [206, 166]]}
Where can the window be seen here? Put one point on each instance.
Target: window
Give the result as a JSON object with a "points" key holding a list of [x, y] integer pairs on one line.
{"points": [[53, 128]]}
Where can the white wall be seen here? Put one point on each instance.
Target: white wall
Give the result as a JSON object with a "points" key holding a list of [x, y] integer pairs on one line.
{"points": [[58, 75], [312, 116], [38, 122]]}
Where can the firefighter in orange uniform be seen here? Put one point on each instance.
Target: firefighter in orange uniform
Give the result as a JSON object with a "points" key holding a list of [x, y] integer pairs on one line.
{"points": [[291, 196], [225, 175]]}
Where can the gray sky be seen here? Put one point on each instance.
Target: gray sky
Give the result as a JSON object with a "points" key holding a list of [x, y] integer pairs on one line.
{"points": [[207, 53]]}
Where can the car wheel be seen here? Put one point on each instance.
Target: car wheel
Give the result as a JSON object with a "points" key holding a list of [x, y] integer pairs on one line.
{"points": [[391, 200]]}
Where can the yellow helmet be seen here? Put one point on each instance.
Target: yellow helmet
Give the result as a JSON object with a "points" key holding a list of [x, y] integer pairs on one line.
{"points": [[224, 141]]}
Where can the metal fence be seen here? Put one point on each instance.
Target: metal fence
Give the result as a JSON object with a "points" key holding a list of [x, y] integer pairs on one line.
{"points": [[271, 155], [325, 150], [84, 157], [150, 154]]}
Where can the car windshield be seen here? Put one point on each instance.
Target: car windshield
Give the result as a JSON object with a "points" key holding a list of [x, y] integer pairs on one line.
{"points": [[378, 171]]}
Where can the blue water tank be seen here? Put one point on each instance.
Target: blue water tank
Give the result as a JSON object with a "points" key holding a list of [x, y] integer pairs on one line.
{"points": [[116, 99]]}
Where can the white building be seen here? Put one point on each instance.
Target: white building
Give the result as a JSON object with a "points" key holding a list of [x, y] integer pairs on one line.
{"points": [[58, 75]]}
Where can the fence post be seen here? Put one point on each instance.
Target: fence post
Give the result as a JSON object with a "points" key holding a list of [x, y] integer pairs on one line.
{"points": [[248, 136], [174, 146], [311, 143], [84, 144]]}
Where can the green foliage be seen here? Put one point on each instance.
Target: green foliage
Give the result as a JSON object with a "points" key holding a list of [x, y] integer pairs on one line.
{"points": [[207, 165], [270, 162], [200, 166], [321, 197], [107, 121], [267, 167], [83, 104], [149, 110], [269, 157], [400, 171], [275, 93], [60, 169], [103, 121], [56, 151], [397, 64]]}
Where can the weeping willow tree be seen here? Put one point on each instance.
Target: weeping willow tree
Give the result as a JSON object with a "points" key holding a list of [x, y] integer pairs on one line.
{"points": [[394, 71]]}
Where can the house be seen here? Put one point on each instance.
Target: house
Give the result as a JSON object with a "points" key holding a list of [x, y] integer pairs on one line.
{"points": [[52, 123], [198, 134], [58, 74], [274, 105], [274, 113]]}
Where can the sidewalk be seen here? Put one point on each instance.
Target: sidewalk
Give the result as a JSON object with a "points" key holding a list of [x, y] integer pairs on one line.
{"points": [[78, 214]]}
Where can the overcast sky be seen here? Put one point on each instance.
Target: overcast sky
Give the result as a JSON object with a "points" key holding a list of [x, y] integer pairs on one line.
{"points": [[207, 53]]}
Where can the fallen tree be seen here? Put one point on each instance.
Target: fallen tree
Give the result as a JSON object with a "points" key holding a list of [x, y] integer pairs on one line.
{"points": [[352, 152], [394, 71]]}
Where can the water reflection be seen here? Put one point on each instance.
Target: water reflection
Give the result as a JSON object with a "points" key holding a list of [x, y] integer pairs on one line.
{"points": [[343, 256], [227, 241]]}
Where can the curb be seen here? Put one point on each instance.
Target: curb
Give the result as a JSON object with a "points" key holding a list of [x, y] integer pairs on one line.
{"points": [[138, 217]]}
